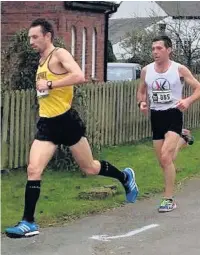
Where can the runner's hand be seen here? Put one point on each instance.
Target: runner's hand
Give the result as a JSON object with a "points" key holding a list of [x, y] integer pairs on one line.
{"points": [[41, 85], [183, 104], [144, 108]]}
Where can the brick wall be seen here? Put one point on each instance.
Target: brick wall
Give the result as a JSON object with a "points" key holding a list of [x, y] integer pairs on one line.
{"points": [[18, 15]]}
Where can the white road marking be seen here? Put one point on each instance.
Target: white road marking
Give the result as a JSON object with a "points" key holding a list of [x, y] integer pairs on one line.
{"points": [[107, 238]]}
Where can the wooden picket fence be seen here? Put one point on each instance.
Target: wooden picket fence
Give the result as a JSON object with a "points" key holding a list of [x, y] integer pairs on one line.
{"points": [[18, 127], [112, 118]]}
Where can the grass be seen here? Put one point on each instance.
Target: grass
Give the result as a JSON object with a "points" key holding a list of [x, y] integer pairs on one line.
{"points": [[59, 201]]}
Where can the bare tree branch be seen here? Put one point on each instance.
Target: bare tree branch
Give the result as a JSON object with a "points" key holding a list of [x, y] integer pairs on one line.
{"points": [[185, 34]]}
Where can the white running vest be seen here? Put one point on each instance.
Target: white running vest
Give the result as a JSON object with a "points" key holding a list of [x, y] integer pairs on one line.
{"points": [[164, 89]]}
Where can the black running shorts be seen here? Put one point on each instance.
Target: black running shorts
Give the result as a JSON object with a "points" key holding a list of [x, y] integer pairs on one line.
{"points": [[164, 121], [66, 129]]}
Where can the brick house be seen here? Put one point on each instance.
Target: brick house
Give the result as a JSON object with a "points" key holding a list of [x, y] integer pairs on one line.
{"points": [[82, 24]]}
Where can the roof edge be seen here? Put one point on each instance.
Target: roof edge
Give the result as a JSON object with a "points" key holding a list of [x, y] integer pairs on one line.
{"points": [[92, 6]]}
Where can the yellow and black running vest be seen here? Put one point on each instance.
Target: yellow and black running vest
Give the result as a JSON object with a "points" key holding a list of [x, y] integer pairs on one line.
{"points": [[59, 100]]}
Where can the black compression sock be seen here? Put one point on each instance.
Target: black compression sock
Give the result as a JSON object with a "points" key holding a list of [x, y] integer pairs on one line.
{"points": [[32, 194], [111, 171]]}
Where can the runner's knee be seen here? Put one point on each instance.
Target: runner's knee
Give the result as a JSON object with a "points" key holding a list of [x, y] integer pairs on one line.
{"points": [[166, 158], [91, 168], [34, 172]]}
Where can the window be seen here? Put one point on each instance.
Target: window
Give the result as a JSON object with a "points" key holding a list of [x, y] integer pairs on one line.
{"points": [[73, 41], [84, 49], [94, 44]]}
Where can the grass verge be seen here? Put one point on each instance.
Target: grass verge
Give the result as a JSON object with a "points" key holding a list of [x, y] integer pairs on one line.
{"points": [[59, 202]]}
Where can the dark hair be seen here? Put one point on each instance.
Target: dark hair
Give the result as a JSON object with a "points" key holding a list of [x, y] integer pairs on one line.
{"points": [[167, 41], [45, 25]]}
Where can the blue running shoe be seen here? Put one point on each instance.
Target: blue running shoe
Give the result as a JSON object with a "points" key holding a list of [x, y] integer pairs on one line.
{"points": [[23, 229], [130, 186]]}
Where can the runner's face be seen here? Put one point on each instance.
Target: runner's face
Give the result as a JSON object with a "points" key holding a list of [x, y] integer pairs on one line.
{"points": [[37, 39], [160, 52]]}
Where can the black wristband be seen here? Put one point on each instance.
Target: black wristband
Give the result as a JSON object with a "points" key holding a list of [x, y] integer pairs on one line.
{"points": [[139, 103], [49, 84]]}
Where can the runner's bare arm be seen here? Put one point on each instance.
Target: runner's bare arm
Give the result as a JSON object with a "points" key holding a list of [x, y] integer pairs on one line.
{"points": [[191, 81], [142, 89], [75, 74]]}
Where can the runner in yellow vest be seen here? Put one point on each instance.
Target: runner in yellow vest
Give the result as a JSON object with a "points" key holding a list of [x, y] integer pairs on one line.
{"points": [[59, 124], [61, 97]]}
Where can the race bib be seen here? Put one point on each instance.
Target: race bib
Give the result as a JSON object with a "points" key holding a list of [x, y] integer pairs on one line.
{"points": [[162, 96], [42, 93]]}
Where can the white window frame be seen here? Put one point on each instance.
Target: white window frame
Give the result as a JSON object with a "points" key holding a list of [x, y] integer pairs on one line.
{"points": [[94, 43], [84, 34], [73, 40]]}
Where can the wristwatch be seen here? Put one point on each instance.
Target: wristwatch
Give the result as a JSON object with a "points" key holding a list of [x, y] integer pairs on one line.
{"points": [[139, 103], [49, 84]]}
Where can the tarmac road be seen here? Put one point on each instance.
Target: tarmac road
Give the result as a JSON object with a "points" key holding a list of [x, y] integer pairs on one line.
{"points": [[174, 233]]}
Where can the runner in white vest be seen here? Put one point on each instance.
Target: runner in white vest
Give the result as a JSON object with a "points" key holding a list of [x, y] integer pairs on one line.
{"points": [[160, 90]]}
